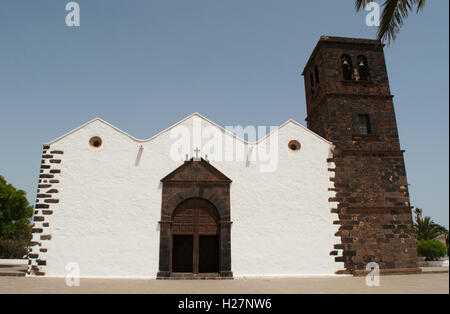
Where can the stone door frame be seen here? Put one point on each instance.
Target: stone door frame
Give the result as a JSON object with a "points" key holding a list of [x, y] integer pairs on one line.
{"points": [[195, 179]]}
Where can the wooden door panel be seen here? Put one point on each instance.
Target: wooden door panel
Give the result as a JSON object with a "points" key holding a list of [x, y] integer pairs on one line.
{"points": [[208, 254], [195, 234], [183, 249]]}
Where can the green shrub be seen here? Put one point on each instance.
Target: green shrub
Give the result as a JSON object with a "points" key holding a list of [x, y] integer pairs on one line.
{"points": [[432, 250], [13, 249]]}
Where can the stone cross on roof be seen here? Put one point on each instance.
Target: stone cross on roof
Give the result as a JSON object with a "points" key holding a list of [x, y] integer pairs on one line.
{"points": [[197, 150]]}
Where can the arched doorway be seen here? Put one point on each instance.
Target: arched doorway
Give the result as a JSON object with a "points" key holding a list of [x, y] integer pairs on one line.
{"points": [[195, 237], [195, 225]]}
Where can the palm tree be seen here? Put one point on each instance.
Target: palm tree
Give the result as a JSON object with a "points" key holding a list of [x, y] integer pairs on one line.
{"points": [[427, 229], [418, 212], [393, 16]]}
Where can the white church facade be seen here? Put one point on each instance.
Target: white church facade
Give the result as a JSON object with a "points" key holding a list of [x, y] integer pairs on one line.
{"points": [[118, 208]]}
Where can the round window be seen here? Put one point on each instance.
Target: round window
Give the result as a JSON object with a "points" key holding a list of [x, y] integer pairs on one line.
{"points": [[294, 145], [95, 142]]}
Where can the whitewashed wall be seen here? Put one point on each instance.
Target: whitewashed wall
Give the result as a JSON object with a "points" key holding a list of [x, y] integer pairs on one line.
{"points": [[110, 205]]}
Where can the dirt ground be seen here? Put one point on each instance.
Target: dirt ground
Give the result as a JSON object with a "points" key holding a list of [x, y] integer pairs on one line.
{"points": [[423, 283]]}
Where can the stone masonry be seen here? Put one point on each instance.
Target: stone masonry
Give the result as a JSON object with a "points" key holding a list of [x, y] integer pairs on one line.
{"points": [[370, 179], [46, 202]]}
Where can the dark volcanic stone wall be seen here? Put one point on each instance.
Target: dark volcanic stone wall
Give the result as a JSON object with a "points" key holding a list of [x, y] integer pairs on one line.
{"points": [[47, 201], [374, 212], [370, 178]]}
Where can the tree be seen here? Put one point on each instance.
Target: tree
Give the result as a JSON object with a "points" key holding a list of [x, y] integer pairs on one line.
{"points": [[393, 16], [427, 229], [15, 212], [418, 212]]}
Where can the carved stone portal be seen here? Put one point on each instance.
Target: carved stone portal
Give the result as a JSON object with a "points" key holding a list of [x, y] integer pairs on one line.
{"points": [[195, 226]]}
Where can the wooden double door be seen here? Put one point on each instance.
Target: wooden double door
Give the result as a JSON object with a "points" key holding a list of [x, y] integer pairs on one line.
{"points": [[195, 238]]}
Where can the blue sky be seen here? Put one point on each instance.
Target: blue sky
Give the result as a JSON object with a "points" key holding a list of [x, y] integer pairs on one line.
{"points": [[143, 65]]}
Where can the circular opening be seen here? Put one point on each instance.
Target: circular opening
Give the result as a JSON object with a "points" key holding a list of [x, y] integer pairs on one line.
{"points": [[294, 145], [95, 142]]}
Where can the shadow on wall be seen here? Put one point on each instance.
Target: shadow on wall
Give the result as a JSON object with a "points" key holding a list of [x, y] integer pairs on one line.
{"points": [[139, 156]]}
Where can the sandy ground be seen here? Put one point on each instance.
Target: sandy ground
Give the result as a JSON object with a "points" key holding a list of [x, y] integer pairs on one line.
{"points": [[423, 283]]}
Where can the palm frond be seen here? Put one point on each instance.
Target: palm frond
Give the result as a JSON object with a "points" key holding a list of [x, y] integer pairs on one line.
{"points": [[395, 12], [361, 4], [427, 229], [420, 5]]}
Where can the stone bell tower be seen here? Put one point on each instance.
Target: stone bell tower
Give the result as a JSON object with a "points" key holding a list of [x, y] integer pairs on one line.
{"points": [[349, 103]]}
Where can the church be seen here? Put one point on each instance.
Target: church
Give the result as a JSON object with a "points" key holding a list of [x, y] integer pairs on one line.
{"points": [[200, 201]]}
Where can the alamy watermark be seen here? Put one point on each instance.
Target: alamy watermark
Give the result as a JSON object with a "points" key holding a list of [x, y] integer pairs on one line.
{"points": [[373, 17], [214, 144], [72, 274], [73, 17], [373, 277]]}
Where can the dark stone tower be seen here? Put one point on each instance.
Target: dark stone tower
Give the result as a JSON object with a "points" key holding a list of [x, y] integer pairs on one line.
{"points": [[349, 102]]}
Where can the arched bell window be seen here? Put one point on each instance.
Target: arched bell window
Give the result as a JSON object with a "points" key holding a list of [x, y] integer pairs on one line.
{"points": [[347, 67], [363, 68]]}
